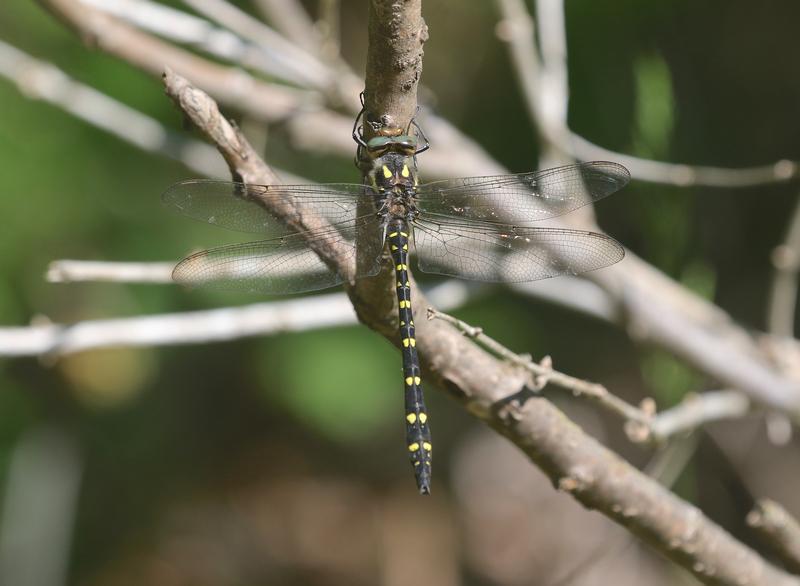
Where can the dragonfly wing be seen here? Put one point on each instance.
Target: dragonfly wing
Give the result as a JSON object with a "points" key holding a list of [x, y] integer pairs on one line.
{"points": [[526, 197], [287, 264], [510, 254], [254, 208]]}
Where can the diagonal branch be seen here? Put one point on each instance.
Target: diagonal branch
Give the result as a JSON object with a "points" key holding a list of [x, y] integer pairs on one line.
{"points": [[778, 528], [543, 79], [653, 308], [232, 86], [575, 462]]}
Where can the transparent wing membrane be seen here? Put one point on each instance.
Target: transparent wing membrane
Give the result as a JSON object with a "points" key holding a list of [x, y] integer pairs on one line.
{"points": [[247, 208], [526, 197], [510, 254], [462, 228], [287, 264]]}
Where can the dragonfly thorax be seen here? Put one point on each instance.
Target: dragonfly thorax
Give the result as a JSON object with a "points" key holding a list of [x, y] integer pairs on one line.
{"points": [[394, 172]]}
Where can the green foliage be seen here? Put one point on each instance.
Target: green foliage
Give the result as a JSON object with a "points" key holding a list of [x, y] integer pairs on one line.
{"points": [[344, 383], [655, 108]]}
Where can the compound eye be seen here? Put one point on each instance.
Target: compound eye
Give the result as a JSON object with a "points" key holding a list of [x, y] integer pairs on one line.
{"points": [[407, 141], [378, 145], [407, 144]]}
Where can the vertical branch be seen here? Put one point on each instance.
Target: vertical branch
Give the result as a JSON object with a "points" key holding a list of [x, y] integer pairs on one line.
{"points": [[397, 33], [783, 292]]}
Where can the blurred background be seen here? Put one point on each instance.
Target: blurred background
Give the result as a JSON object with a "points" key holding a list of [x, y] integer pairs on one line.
{"points": [[279, 459]]}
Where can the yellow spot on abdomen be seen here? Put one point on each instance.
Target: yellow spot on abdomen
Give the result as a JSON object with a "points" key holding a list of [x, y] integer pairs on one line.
{"points": [[426, 446], [402, 267], [405, 172], [386, 172], [413, 447], [411, 418], [423, 417], [393, 234], [409, 342], [394, 246]]}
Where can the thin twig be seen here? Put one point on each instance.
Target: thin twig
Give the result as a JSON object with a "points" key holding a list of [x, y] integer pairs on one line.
{"points": [[233, 86], [642, 423], [783, 291], [198, 327], [681, 175], [195, 327], [279, 62], [76, 271], [307, 68], [544, 374], [543, 81], [779, 529], [700, 409], [41, 80], [653, 308], [290, 18], [573, 293]]}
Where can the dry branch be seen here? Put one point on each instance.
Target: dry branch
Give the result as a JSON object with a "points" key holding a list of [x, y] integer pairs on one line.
{"points": [[193, 327], [45, 338], [783, 290], [697, 410], [779, 529], [543, 79], [230, 85], [642, 424], [41, 80], [576, 463], [653, 308]]}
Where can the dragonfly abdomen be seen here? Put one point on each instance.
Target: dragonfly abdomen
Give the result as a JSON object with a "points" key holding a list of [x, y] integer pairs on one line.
{"points": [[418, 435]]}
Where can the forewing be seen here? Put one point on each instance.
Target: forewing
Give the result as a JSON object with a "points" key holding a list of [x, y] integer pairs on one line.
{"points": [[510, 254], [287, 264], [521, 198], [247, 208]]}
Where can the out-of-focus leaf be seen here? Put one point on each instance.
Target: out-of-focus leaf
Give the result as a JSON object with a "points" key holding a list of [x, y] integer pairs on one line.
{"points": [[344, 383], [655, 107]]}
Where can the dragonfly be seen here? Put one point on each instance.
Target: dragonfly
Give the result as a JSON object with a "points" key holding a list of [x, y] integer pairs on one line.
{"points": [[321, 235]]}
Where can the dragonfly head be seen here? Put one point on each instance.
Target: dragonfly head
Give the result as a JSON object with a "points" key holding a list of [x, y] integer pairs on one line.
{"points": [[390, 159], [391, 140]]}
